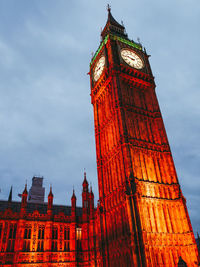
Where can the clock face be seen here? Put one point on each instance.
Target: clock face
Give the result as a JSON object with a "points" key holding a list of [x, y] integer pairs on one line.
{"points": [[99, 68], [132, 59]]}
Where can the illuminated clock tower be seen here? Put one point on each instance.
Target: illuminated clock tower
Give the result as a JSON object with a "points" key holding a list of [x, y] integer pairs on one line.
{"points": [[143, 215]]}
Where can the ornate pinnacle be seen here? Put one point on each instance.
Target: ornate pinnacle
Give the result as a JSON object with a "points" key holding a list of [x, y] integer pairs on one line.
{"points": [[73, 194], [10, 195], [50, 192], [108, 8], [25, 189]]}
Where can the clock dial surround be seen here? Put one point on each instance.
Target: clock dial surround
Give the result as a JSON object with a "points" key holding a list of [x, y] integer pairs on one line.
{"points": [[131, 58], [99, 68]]}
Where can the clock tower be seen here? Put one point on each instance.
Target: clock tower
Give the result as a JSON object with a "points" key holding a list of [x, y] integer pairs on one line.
{"points": [[143, 215]]}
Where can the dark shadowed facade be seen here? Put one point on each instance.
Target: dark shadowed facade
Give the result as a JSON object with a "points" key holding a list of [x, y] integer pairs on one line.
{"points": [[141, 218]]}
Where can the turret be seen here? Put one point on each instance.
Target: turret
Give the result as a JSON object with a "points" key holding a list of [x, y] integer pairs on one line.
{"points": [[85, 183], [24, 199], [50, 201], [85, 198], [73, 206]]}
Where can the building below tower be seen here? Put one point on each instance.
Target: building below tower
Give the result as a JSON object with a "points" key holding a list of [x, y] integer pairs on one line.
{"points": [[44, 234]]}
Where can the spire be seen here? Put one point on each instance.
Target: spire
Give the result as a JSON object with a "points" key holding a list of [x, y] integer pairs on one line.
{"points": [[10, 195], [50, 201], [85, 179], [91, 192], [91, 198], [108, 8], [25, 190], [50, 192], [73, 194], [24, 199], [73, 206], [112, 26], [85, 182]]}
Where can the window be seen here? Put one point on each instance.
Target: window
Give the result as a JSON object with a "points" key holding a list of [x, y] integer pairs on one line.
{"points": [[27, 239], [40, 245], [78, 238], [41, 233], [67, 239], [55, 233], [54, 245], [11, 238]]}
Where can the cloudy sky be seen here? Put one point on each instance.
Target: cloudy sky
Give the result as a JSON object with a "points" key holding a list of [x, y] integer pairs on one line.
{"points": [[46, 118]]}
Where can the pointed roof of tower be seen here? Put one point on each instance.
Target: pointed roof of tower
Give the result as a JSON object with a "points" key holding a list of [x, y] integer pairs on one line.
{"points": [[25, 190], [50, 192], [85, 182], [10, 195], [112, 26], [73, 195], [91, 192]]}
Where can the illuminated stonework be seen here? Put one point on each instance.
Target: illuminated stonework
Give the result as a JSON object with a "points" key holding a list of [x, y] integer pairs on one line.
{"points": [[39, 234], [144, 217], [141, 218]]}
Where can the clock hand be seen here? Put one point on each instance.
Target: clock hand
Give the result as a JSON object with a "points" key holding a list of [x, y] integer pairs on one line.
{"points": [[98, 69], [131, 58]]}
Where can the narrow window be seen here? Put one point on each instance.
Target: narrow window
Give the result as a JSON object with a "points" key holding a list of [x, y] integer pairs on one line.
{"points": [[1, 227], [67, 239], [54, 245], [27, 238], [78, 238], [40, 245], [11, 238]]}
